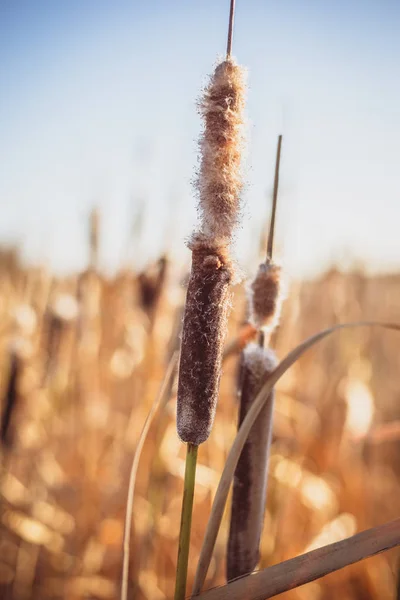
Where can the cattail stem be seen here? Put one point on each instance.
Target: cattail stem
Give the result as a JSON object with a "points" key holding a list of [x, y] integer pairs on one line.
{"points": [[270, 244], [230, 29], [186, 522]]}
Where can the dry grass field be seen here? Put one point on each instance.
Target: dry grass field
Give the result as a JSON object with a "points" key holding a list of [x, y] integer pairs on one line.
{"points": [[81, 361]]}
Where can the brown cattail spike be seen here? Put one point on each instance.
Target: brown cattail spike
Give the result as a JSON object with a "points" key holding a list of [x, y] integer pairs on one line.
{"points": [[266, 297], [250, 481], [94, 227], [203, 336], [219, 181]]}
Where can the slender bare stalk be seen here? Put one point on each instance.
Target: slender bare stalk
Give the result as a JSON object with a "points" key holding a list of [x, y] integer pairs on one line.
{"points": [[10, 400], [270, 244], [132, 478], [230, 29]]}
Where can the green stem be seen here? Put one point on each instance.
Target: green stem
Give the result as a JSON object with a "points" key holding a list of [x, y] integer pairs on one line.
{"points": [[186, 522]]}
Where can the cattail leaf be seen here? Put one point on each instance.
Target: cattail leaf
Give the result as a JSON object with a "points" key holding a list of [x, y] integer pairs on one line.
{"points": [[241, 437], [297, 571]]}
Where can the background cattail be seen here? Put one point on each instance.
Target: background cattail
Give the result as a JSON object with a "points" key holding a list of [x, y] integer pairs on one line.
{"points": [[94, 227], [266, 296], [208, 297], [10, 399], [250, 482], [151, 282]]}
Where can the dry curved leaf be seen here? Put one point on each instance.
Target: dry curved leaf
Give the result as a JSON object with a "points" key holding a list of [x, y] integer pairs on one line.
{"points": [[297, 571], [241, 437]]}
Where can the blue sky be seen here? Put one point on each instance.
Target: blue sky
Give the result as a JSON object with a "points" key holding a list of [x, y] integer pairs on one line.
{"points": [[97, 105]]}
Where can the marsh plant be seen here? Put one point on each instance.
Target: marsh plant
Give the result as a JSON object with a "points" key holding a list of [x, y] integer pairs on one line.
{"points": [[219, 188]]}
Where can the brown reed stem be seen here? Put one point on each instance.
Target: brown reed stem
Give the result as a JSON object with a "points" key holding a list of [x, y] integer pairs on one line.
{"points": [[186, 522], [270, 244], [230, 29], [132, 477]]}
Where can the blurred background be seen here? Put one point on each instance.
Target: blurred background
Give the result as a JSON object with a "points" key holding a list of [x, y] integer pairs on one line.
{"points": [[98, 149]]}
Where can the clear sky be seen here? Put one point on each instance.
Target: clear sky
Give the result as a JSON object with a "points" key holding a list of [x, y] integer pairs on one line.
{"points": [[97, 106]]}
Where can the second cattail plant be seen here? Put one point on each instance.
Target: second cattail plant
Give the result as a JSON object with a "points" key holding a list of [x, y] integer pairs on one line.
{"points": [[257, 362]]}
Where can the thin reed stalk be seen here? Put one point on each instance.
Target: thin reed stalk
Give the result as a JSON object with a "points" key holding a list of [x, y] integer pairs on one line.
{"points": [[132, 477], [10, 401], [186, 521]]}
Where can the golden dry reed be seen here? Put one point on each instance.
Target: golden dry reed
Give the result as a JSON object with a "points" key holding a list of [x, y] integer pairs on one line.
{"points": [[10, 400], [219, 186]]}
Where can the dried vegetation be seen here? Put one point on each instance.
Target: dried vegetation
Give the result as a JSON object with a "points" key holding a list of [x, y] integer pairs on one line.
{"points": [[84, 358]]}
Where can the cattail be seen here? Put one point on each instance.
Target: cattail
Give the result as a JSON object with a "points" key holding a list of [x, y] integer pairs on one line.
{"points": [[203, 335], [208, 296], [151, 283], [94, 226], [63, 311], [10, 400], [219, 182], [266, 296], [250, 481]]}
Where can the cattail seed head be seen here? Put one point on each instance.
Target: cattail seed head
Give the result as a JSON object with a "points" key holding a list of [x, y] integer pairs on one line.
{"points": [[203, 336], [219, 181], [266, 296], [151, 283], [250, 480], [208, 296], [94, 226]]}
